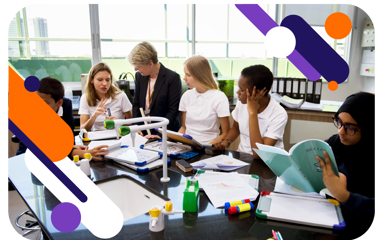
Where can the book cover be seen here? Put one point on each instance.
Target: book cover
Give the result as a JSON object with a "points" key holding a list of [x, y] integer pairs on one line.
{"points": [[299, 168]]}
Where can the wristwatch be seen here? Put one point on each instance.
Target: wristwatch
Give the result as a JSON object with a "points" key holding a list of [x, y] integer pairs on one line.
{"points": [[227, 140]]}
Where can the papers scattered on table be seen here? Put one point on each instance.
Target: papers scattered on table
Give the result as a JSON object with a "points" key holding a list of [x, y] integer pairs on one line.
{"points": [[226, 188], [220, 162], [251, 179]]}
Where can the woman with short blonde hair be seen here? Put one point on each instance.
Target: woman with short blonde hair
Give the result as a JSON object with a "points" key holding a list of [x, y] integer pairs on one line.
{"points": [[143, 54], [204, 108], [157, 89], [101, 93]]}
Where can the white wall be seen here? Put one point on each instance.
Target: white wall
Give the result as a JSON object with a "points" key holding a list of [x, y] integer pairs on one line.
{"points": [[302, 130]]}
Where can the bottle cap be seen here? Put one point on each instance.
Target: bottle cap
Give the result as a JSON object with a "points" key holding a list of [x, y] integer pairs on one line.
{"points": [[76, 158], [87, 155]]}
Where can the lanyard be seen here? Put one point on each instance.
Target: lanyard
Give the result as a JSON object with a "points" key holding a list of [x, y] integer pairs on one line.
{"points": [[149, 90]]}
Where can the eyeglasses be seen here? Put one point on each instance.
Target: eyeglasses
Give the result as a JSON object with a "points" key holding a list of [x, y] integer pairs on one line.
{"points": [[349, 130]]}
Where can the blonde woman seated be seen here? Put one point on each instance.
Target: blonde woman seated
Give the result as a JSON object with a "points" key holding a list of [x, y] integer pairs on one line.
{"points": [[101, 94], [204, 108]]}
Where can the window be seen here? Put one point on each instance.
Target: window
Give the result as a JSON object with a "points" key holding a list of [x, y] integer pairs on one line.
{"points": [[43, 42], [229, 39], [165, 26]]}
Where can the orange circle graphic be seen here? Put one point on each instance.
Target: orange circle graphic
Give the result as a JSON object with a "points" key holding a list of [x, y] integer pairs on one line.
{"points": [[338, 25], [332, 85]]}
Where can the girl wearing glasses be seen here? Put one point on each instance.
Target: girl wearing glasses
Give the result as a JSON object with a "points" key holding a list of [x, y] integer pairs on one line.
{"points": [[353, 148]]}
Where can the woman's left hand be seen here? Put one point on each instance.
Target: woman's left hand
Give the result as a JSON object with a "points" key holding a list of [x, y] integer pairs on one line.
{"points": [[336, 185], [111, 117], [152, 137]]}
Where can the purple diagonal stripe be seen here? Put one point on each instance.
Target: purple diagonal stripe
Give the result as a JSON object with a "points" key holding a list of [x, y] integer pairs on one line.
{"points": [[316, 51], [258, 17], [47, 162], [304, 66]]}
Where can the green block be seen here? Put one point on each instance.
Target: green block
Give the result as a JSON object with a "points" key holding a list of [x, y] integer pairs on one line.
{"points": [[190, 202]]}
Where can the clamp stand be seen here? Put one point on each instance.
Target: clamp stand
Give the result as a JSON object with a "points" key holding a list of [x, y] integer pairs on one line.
{"points": [[156, 216]]}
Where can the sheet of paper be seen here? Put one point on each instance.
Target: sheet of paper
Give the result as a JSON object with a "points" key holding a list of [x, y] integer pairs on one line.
{"points": [[139, 140], [227, 188], [249, 179], [222, 162]]}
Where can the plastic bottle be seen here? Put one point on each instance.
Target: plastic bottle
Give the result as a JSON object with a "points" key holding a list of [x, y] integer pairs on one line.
{"points": [[68, 92]]}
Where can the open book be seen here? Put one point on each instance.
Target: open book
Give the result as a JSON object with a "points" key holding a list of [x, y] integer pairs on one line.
{"points": [[299, 168]]}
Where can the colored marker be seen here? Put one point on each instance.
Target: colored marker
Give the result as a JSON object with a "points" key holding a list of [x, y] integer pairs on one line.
{"points": [[274, 235], [109, 112], [235, 203], [240, 208], [280, 237]]}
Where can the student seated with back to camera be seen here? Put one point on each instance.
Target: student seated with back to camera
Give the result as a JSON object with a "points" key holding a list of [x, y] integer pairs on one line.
{"points": [[257, 117], [204, 108], [51, 91]]}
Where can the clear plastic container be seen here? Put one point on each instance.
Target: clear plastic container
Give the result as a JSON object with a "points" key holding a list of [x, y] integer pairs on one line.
{"points": [[75, 102]]}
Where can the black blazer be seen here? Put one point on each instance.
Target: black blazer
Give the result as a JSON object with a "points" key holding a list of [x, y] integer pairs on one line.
{"points": [[165, 99]]}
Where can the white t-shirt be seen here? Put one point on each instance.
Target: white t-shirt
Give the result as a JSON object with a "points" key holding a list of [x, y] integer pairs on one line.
{"points": [[118, 106], [271, 122], [203, 111]]}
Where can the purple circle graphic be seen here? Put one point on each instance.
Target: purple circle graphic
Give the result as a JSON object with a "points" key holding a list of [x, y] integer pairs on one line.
{"points": [[66, 217], [32, 83]]}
